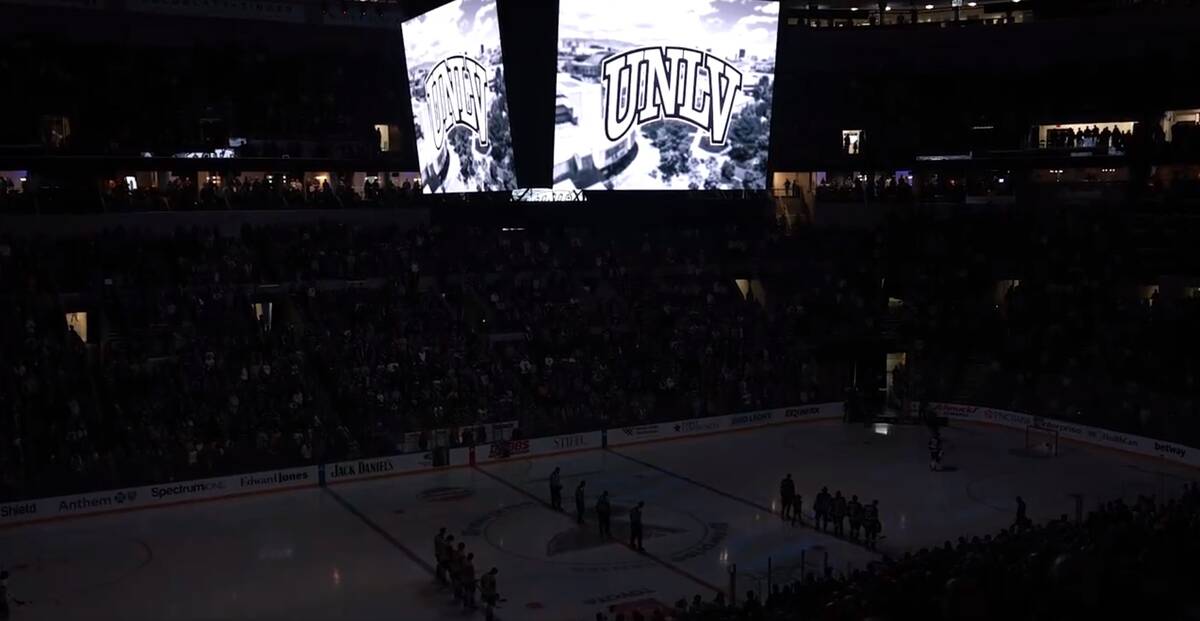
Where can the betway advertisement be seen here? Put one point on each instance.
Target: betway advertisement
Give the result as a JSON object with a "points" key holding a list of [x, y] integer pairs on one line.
{"points": [[664, 94], [460, 108]]}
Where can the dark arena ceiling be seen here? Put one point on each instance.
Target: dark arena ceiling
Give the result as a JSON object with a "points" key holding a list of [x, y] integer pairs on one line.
{"points": [[356, 10]]}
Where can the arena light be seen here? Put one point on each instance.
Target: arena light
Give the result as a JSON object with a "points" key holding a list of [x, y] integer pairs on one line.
{"points": [[887, 8], [928, 7], [972, 4], [853, 9]]}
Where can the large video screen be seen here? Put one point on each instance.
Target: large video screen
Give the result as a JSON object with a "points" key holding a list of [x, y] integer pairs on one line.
{"points": [[460, 111], [664, 94]]}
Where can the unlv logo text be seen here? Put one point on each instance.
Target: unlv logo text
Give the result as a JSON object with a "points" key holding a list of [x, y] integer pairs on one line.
{"points": [[652, 83], [457, 89]]}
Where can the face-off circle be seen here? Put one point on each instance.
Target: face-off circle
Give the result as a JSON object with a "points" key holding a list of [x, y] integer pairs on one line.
{"points": [[527, 531]]}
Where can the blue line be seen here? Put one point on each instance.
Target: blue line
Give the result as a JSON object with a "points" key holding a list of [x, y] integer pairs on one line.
{"points": [[412, 556]]}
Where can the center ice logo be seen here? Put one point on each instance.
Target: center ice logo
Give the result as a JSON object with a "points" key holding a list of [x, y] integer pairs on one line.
{"points": [[673, 83], [457, 90]]}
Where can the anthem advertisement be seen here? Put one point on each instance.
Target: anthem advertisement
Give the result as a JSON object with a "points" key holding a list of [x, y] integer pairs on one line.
{"points": [[460, 109], [664, 95]]}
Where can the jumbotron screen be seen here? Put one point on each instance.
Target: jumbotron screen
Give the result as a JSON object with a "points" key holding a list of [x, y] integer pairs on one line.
{"points": [[664, 94], [460, 111]]}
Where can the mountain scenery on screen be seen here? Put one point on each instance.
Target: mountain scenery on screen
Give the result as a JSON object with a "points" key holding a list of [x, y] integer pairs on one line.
{"points": [[669, 95], [460, 107]]}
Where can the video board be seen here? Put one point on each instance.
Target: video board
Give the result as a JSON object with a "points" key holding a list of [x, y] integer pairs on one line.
{"points": [[460, 107], [664, 94]]}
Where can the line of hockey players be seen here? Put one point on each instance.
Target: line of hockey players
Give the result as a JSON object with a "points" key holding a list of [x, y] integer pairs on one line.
{"points": [[836, 510], [603, 510], [456, 568]]}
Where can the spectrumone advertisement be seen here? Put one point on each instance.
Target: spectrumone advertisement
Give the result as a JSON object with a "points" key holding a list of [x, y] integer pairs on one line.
{"points": [[460, 109], [664, 94]]}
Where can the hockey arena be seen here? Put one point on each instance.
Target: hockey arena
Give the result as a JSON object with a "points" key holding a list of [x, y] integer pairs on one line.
{"points": [[365, 549], [599, 310]]}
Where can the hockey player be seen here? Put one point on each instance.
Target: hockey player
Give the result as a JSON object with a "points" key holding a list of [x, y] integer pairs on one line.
{"points": [[467, 579], [487, 592], [935, 451], [635, 528], [871, 523], [556, 489], [854, 510], [447, 553], [603, 515], [439, 553], [821, 508], [797, 510], [579, 502], [458, 557], [837, 510], [787, 493], [1021, 520], [451, 565]]}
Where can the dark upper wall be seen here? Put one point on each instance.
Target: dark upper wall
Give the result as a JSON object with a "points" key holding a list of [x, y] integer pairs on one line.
{"points": [[146, 80], [921, 89], [143, 82]]}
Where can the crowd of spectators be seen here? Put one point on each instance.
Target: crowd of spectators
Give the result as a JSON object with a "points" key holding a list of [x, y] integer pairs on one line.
{"points": [[8, 187], [259, 191], [887, 188], [1107, 139], [274, 191], [213, 353], [1062, 315], [45, 390], [1123, 560], [362, 335]]}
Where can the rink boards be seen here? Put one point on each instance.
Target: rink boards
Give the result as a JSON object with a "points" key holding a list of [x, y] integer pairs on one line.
{"points": [[175, 493], [1074, 432], [160, 495]]}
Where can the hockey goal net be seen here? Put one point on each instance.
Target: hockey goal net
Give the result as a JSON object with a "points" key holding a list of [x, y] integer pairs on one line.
{"points": [[1041, 441]]}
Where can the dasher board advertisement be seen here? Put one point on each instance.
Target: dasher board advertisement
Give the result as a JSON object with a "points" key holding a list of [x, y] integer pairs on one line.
{"points": [[664, 94], [460, 107]]}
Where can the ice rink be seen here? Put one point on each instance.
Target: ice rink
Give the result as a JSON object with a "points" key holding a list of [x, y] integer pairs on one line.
{"points": [[364, 550]]}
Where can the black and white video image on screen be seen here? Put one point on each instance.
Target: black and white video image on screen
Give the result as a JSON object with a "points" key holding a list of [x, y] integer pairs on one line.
{"points": [[460, 107], [665, 94]]}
